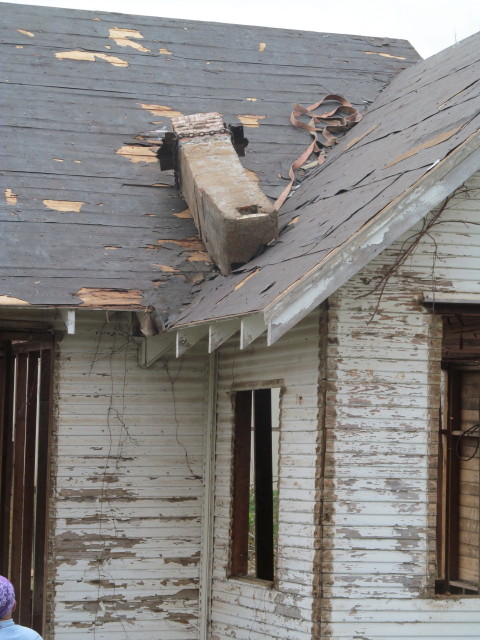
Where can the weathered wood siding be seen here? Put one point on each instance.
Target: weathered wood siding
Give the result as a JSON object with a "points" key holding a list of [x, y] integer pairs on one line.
{"points": [[127, 469], [246, 608], [383, 402]]}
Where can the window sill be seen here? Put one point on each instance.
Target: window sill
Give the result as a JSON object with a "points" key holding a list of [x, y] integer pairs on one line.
{"points": [[456, 589], [455, 596], [268, 584]]}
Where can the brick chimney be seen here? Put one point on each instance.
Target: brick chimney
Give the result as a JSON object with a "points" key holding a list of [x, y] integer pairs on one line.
{"points": [[233, 217]]}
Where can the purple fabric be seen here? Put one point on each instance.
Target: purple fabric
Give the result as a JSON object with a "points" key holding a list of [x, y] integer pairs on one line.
{"points": [[7, 596]]}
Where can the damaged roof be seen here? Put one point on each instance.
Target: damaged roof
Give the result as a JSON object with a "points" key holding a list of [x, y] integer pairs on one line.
{"points": [[418, 141], [89, 218]]}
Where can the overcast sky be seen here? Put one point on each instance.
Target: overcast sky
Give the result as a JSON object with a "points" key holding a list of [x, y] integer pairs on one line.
{"points": [[430, 25]]}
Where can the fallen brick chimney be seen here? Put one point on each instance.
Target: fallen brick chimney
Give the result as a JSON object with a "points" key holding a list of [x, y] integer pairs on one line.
{"points": [[233, 217]]}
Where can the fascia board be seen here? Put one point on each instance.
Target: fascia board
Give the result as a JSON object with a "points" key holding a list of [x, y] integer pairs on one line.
{"points": [[399, 216]]}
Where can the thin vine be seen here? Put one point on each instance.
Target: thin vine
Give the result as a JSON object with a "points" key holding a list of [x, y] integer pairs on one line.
{"points": [[409, 246]]}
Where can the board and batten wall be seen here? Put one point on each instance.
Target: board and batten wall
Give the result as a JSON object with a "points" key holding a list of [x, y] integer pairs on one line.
{"points": [[243, 608], [127, 463], [382, 419]]}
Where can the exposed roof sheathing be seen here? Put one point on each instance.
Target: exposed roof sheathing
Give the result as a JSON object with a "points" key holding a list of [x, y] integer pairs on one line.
{"points": [[89, 218], [422, 120]]}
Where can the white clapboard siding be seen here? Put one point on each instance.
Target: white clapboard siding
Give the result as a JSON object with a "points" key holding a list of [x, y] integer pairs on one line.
{"points": [[383, 399], [127, 467], [243, 609]]}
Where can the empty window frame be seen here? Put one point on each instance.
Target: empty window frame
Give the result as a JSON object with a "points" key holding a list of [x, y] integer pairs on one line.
{"points": [[458, 500], [25, 412], [255, 483]]}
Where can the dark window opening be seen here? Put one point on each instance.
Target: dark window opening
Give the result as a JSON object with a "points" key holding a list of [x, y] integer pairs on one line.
{"points": [[458, 501], [25, 410], [255, 483]]}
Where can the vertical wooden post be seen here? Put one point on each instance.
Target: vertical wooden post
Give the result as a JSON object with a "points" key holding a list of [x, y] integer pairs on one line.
{"points": [[453, 476], [3, 396], [441, 486], [40, 545], [6, 461], [478, 517], [19, 476], [28, 528], [208, 511]]}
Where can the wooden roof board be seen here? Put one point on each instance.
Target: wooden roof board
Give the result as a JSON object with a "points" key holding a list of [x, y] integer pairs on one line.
{"points": [[422, 117], [69, 124]]}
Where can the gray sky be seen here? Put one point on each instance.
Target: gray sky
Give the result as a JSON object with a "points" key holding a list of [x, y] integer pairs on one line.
{"points": [[430, 25]]}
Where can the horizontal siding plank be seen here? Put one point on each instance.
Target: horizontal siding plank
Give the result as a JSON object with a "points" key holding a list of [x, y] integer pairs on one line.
{"points": [[249, 610], [128, 506]]}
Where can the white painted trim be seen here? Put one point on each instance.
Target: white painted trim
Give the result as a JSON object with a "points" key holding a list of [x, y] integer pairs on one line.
{"points": [[251, 327], [432, 297], [208, 511], [188, 337], [220, 332], [153, 348], [68, 316], [282, 314]]}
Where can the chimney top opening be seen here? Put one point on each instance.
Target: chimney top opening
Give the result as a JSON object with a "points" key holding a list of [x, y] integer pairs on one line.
{"points": [[248, 209]]}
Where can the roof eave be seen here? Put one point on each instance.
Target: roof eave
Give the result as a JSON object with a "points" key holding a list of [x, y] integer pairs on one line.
{"points": [[379, 233]]}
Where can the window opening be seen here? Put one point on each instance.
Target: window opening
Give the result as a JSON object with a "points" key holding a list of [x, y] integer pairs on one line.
{"points": [[25, 399], [458, 502], [255, 483]]}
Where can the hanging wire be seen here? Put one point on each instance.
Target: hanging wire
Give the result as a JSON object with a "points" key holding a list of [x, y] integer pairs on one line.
{"points": [[475, 430]]}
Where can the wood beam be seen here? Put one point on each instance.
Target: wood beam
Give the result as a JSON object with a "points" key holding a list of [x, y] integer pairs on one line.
{"points": [[251, 327], [154, 347], [68, 317], [220, 332], [188, 337]]}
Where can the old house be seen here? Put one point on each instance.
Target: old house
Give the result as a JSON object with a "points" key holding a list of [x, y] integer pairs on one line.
{"points": [[289, 450]]}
